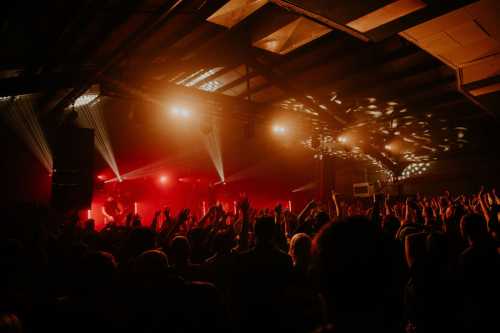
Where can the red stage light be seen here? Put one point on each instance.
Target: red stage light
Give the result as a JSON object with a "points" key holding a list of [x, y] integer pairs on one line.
{"points": [[163, 179], [101, 177]]}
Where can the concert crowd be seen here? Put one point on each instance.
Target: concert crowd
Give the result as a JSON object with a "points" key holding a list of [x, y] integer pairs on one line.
{"points": [[415, 264]]}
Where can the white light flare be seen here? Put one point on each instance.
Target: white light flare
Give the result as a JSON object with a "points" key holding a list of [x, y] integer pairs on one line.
{"points": [[279, 129], [19, 113], [90, 115], [212, 145], [180, 112], [342, 139]]}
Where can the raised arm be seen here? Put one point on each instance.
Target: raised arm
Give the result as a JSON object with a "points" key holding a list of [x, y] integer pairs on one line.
{"points": [[377, 198], [244, 207], [166, 220], [181, 218], [305, 212], [154, 222], [484, 208], [335, 204]]}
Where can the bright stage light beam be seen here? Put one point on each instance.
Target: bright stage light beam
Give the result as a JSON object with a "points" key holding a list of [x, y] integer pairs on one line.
{"points": [[90, 115], [185, 158], [211, 140], [19, 113], [306, 187]]}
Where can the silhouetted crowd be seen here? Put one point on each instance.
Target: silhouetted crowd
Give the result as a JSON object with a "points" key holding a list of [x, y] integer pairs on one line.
{"points": [[416, 264]]}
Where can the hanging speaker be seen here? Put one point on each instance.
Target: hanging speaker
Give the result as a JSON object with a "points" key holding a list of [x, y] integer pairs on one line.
{"points": [[72, 177]]}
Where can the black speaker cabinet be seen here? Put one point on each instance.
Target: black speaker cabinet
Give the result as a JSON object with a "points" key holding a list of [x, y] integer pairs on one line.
{"points": [[72, 177]]}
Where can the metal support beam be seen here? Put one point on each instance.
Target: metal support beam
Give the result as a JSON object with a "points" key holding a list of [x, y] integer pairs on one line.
{"points": [[320, 19]]}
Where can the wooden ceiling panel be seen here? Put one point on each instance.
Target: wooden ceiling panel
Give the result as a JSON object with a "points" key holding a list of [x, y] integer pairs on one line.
{"points": [[235, 11], [386, 14], [291, 36], [341, 11]]}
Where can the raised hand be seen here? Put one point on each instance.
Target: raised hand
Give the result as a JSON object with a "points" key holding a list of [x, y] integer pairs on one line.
{"points": [[244, 205], [278, 209], [312, 204], [183, 215], [166, 212]]}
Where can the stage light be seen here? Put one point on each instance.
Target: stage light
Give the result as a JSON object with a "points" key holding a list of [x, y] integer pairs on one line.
{"points": [[212, 144], [180, 160], [90, 116], [388, 147], [342, 139], [175, 111], [89, 214], [136, 207], [180, 112], [101, 177], [19, 113], [163, 179], [279, 129], [85, 99]]}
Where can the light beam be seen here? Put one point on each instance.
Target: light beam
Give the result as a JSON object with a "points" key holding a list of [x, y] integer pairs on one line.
{"points": [[89, 110], [18, 111], [211, 141]]}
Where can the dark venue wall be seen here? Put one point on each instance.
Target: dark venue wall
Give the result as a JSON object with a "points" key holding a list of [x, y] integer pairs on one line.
{"points": [[24, 179]]}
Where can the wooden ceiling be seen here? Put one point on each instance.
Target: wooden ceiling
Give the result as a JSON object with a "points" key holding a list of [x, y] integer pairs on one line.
{"points": [[341, 67]]}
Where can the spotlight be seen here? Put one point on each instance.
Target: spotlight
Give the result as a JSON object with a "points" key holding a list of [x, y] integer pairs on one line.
{"points": [[175, 111], [180, 112], [101, 177], [90, 115], [85, 99], [278, 129], [388, 147], [342, 139], [163, 179], [212, 144]]}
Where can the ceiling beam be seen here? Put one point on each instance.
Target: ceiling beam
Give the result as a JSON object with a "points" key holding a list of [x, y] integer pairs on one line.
{"points": [[338, 54], [319, 19], [20, 85], [173, 93], [394, 80], [155, 21]]}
